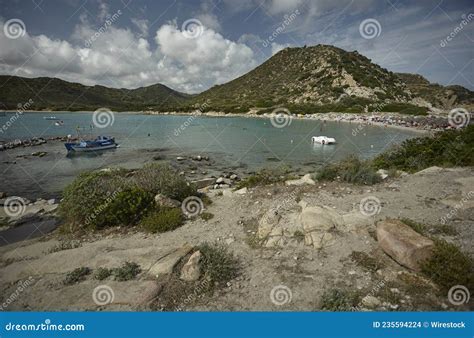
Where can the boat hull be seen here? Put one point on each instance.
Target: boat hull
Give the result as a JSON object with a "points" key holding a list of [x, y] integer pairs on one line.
{"points": [[323, 140], [79, 149]]}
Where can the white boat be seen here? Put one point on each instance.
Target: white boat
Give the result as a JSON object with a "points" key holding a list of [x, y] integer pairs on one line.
{"points": [[323, 140]]}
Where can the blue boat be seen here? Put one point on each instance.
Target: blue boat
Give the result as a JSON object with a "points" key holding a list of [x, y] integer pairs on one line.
{"points": [[100, 143]]}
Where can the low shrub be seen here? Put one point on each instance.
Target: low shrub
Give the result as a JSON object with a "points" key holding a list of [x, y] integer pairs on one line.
{"points": [[351, 170], [162, 220], [206, 216], [218, 264], [264, 177], [449, 266], [102, 273], [157, 178], [128, 271], [76, 276], [88, 195], [126, 208], [339, 300]]}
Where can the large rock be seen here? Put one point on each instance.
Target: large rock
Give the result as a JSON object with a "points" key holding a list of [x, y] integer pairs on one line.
{"points": [[205, 182], [403, 244], [191, 271], [266, 224], [306, 179], [318, 224], [166, 264]]}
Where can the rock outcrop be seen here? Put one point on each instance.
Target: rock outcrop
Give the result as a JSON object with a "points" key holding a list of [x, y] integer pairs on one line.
{"points": [[403, 244]]}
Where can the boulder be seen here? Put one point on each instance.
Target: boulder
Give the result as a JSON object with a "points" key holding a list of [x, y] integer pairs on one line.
{"points": [[318, 224], [164, 201], [222, 180], [370, 301], [165, 264], [267, 223], [242, 191], [191, 271], [403, 244], [205, 182], [306, 179], [382, 173]]}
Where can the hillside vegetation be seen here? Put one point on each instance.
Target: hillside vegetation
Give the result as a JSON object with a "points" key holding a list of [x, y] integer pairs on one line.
{"points": [[55, 94]]}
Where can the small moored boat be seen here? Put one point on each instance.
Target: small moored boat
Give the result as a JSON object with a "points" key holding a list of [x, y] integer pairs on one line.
{"points": [[54, 118], [323, 140], [100, 143]]}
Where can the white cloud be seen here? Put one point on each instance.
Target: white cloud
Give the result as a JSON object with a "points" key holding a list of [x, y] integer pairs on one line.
{"points": [[142, 25], [118, 57]]}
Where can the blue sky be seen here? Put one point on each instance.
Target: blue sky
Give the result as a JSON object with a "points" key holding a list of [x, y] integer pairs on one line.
{"points": [[192, 45]]}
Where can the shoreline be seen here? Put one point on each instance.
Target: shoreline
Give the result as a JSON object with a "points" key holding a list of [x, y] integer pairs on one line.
{"points": [[389, 120]]}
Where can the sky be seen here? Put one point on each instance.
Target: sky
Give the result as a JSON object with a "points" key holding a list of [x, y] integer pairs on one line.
{"points": [[191, 46]]}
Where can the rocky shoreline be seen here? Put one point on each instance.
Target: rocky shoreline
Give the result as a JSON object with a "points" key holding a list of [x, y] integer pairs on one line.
{"points": [[422, 124]]}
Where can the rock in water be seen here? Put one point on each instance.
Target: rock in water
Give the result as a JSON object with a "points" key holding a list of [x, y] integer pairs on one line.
{"points": [[403, 244], [191, 271]]}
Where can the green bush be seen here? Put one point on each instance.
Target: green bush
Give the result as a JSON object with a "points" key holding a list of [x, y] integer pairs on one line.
{"points": [[350, 170], [95, 200], [264, 177], [449, 266], [339, 300], [128, 271], [88, 195], [162, 220], [156, 178], [102, 273], [218, 263], [76, 275], [446, 149], [126, 208]]}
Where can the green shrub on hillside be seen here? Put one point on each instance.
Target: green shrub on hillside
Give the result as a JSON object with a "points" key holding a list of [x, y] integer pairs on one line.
{"points": [[446, 149], [157, 178], [88, 195], [264, 177], [165, 219], [449, 266], [350, 170], [96, 200]]}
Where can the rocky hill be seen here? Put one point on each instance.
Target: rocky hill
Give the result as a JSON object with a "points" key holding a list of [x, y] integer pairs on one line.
{"points": [[325, 78], [55, 94], [444, 97]]}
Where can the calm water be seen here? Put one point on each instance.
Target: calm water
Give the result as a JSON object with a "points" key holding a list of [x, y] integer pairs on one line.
{"points": [[232, 142]]}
